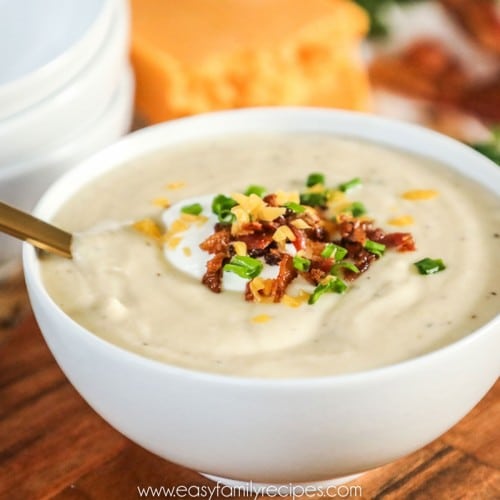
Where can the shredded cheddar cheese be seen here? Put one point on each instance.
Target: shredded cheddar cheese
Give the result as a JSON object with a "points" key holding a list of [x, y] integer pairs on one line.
{"points": [[175, 185], [403, 220], [261, 318], [420, 194], [187, 251], [162, 202], [148, 227], [240, 247], [300, 224], [283, 233], [297, 301]]}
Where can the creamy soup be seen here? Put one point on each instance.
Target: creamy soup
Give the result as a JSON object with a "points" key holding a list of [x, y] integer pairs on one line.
{"points": [[121, 286]]}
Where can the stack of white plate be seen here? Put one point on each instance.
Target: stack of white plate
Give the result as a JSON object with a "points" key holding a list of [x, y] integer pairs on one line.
{"points": [[66, 90]]}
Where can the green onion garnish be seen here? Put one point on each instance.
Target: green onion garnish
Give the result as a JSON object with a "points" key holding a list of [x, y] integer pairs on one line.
{"points": [[335, 270], [301, 263], [244, 266], [258, 190], [331, 249], [295, 207], [221, 206], [332, 286], [376, 248], [357, 209], [430, 266], [313, 199], [315, 178], [194, 209], [347, 186]]}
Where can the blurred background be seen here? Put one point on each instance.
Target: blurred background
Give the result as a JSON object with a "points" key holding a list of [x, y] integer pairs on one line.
{"points": [[77, 75]]}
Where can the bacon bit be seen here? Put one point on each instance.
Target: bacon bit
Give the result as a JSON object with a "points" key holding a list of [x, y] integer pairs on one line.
{"points": [[403, 220], [261, 318], [217, 242], [420, 194], [213, 275], [271, 200], [287, 273], [479, 18], [187, 251], [256, 243], [402, 242], [162, 202], [175, 185], [148, 227]]}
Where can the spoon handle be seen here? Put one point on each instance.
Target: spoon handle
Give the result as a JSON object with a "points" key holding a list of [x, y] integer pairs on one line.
{"points": [[40, 234]]}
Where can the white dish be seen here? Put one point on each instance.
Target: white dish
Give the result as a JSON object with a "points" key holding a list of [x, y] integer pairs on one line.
{"points": [[22, 184], [271, 430], [44, 44], [50, 121]]}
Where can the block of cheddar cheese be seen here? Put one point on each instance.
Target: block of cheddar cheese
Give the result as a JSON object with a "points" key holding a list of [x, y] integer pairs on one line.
{"points": [[193, 56]]}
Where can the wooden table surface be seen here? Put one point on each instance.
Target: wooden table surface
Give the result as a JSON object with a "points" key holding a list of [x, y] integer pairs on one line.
{"points": [[53, 445]]}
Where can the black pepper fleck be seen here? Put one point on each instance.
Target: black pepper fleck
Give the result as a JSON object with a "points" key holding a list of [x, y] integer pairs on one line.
{"points": [[494, 293], [496, 235], [473, 316]]}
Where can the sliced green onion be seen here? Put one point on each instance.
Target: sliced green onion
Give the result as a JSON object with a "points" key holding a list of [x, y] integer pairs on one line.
{"points": [[221, 206], [315, 178], [301, 263], [333, 250], [347, 186], [375, 248], [258, 190], [244, 266], [334, 285], [357, 209], [295, 207], [194, 209], [335, 270], [313, 199], [430, 266]]}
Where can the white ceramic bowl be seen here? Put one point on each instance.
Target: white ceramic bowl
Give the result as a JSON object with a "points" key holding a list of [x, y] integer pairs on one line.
{"points": [[281, 430], [72, 108], [45, 44], [22, 184]]}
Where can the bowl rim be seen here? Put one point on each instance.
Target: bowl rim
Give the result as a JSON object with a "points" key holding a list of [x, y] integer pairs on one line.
{"points": [[76, 97], [46, 78], [146, 140]]}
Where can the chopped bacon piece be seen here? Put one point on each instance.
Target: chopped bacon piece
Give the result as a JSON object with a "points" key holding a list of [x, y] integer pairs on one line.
{"points": [[213, 275], [256, 242], [217, 242], [287, 273], [271, 200], [402, 242]]}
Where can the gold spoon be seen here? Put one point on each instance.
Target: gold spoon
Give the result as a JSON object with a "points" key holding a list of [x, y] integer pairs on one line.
{"points": [[40, 234]]}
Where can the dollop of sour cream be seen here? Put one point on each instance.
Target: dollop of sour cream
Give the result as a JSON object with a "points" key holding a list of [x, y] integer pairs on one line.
{"points": [[189, 258]]}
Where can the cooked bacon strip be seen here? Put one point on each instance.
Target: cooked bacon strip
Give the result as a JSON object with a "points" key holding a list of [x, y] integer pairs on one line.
{"points": [[402, 242], [479, 18], [217, 242], [213, 275], [287, 273]]}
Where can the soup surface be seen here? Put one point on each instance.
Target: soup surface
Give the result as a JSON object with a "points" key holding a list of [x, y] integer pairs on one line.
{"points": [[121, 287]]}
